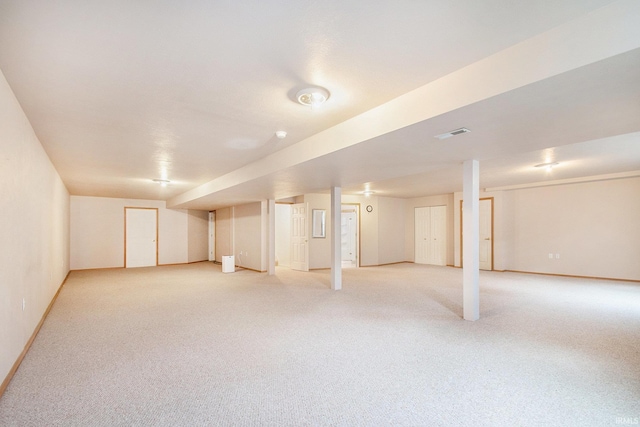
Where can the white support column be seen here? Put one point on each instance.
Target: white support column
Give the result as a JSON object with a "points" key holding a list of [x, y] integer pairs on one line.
{"points": [[271, 237], [336, 242], [471, 240]]}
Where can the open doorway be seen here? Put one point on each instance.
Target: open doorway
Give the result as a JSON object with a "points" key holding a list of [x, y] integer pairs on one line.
{"points": [[350, 232], [291, 221], [212, 236]]}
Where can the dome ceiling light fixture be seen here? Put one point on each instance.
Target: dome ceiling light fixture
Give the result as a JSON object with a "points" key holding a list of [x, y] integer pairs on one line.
{"points": [[281, 134], [312, 97]]}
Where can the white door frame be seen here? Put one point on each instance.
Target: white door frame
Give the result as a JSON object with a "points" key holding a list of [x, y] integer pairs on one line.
{"points": [[356, 208], [212, 235]]}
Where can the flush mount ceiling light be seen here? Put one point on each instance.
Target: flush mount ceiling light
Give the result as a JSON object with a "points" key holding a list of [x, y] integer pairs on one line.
{"points": [[313, 96], [452, 133], [368, 193], [162, 182], [281, 134], [548, 165]]}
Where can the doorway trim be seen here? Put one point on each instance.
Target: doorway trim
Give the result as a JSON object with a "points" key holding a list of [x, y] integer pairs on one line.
{"points": [[307, 228], [492, 231], [359, 240], [212, 236]]}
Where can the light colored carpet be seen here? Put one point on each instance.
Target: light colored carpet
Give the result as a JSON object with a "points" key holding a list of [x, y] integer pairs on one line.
{"points": [[189, 345]]}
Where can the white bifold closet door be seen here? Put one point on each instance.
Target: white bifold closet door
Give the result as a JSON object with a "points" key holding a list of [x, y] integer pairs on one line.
{"points": [[141, 237], [431, 235]]}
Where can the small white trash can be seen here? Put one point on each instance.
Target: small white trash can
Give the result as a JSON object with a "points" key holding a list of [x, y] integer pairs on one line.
{"points": [[228, 264]]}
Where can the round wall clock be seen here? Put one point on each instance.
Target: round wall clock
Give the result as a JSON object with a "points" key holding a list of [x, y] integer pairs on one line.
{"points": [[369, 208]]}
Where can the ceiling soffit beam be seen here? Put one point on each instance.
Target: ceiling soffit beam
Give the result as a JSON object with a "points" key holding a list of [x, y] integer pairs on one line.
{"points": [[607, 177], [604, 33]]}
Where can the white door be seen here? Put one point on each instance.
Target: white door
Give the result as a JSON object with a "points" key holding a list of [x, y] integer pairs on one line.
{"points": [[349, 238], [300, 237], [141, 237], [430, 235], [422, 219], [486, 234], [212, 236], [438, 234]]}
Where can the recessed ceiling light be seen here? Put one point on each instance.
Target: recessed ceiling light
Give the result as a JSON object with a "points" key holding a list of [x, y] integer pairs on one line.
{"points": [[548, 165], [368, 193], [162, 182], [452, 133], [313, 96], [281, 134]]}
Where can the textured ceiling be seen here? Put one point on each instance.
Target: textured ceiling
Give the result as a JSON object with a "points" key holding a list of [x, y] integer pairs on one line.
{"points": [[120, 93]]}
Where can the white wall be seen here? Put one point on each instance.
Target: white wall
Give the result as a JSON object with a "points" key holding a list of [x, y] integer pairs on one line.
{"points": [[391, 230], [97, 232], [241, 231], [248, 236], [224, 233], [319, 247], [173, 235], [594, 226], [198, 235], [264, 235], [409, 236], [382, 230], [34, 229], [502, 229], [369, 230]]}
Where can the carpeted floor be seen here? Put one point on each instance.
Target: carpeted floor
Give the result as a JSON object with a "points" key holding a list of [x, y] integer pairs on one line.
{"points": [[189, 345]]}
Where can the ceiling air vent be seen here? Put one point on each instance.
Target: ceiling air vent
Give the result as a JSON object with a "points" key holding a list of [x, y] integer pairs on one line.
{"points": [[452, 133]]}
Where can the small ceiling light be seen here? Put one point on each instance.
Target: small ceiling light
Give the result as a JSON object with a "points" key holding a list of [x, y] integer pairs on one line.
{"points": [[452, 133], [162, 182], [368, 193], [548, 165], [281, 134], [313, 96]]}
